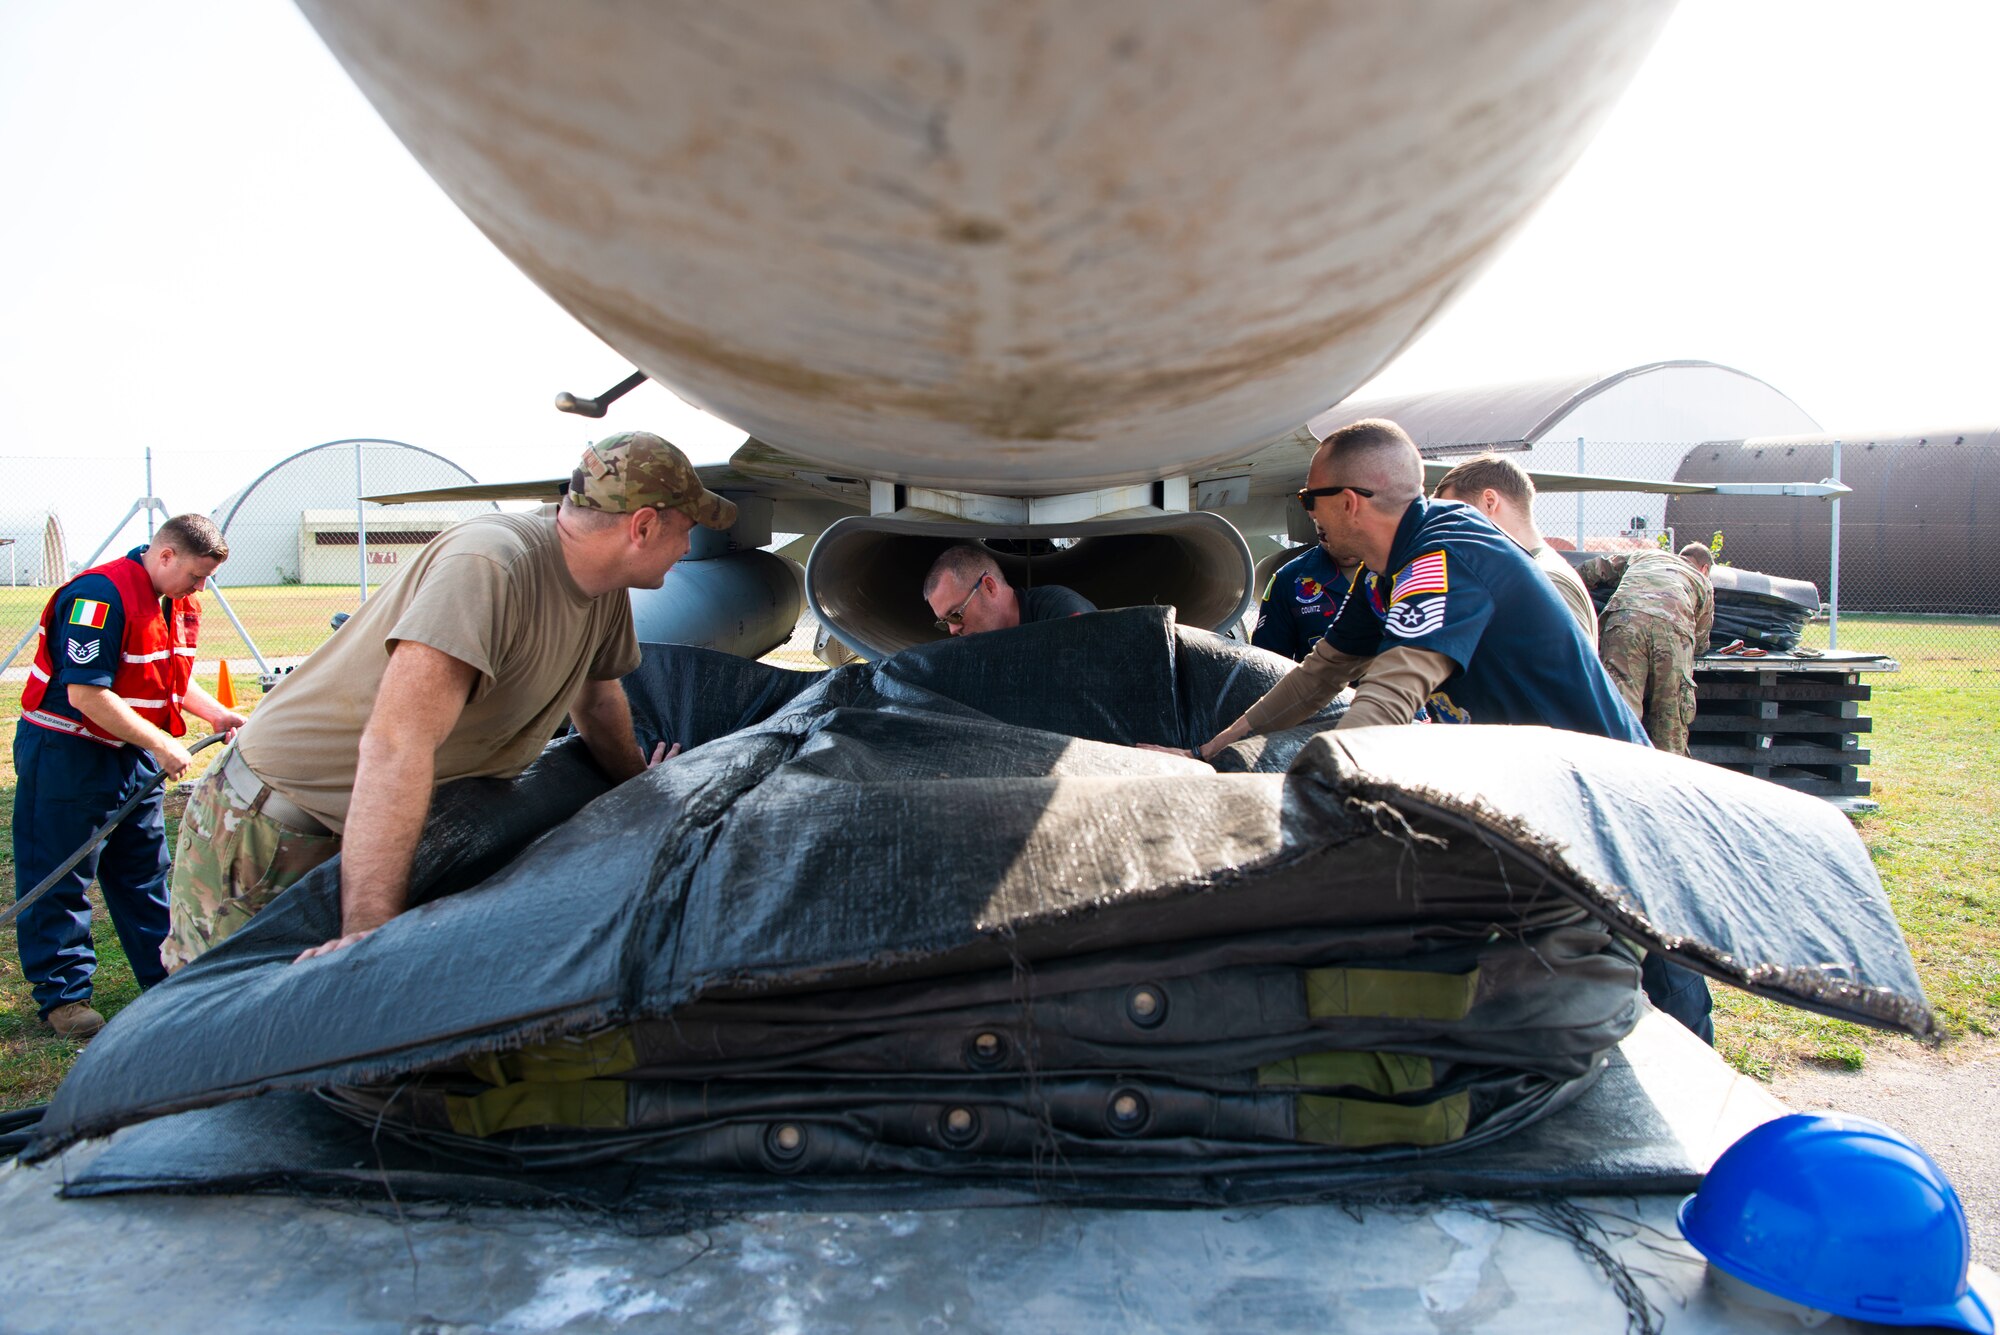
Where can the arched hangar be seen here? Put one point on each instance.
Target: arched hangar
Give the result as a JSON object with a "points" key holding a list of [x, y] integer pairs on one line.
{"points": [[1638, 422], [295, 522]]}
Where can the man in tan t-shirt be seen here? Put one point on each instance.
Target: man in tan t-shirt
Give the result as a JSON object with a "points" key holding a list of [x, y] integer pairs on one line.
{"points": [[462, 666]]}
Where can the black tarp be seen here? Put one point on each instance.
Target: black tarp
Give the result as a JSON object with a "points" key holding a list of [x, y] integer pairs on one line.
{"points": [[963, 823], [1613, 1140], [1764, 611]]}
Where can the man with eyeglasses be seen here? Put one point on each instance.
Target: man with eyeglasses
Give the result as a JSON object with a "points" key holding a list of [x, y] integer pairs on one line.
{"points": [[968, 595], [1449, 613]]}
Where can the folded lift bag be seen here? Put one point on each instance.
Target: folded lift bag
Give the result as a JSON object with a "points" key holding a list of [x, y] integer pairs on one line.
{"points": [[938, 915]]}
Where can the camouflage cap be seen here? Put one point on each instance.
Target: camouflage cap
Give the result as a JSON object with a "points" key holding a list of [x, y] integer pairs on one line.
{"points": [[635, 469]]}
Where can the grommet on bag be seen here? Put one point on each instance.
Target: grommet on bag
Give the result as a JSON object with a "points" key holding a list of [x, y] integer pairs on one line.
{"points": [[785, 1143], [958, 1127], [1127, 1111], [1146, 1006], [986, 1050]]}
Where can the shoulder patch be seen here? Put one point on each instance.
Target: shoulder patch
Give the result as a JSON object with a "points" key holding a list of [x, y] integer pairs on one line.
{"points": [[88, 612], [1412, 619], [1426, 574], [83, 651]]}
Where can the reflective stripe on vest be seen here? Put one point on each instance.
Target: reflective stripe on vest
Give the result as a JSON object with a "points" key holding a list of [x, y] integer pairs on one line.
{"points": [[41, 718]]}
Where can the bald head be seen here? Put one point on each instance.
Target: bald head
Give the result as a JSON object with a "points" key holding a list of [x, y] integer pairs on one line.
{"points": [[1374, 454]]}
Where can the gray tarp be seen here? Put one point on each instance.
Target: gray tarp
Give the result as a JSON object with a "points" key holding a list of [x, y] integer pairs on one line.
{"points": [[958, 834]]}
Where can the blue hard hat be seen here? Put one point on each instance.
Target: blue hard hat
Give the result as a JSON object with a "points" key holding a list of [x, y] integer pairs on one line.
{"points": [[1842, 1214]]}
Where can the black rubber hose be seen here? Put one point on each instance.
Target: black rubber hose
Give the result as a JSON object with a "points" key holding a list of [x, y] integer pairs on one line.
{"points": [[102, 832]]}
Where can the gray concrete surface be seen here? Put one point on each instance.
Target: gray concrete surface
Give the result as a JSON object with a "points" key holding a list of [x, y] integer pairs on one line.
{"points": [[1948, 1102]]}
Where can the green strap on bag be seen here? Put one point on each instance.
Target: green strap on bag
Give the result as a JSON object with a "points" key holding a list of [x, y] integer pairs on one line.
{"points": [[1371, 1072], [1355, 1124], [560, 1060], [1389, 994], [584, 1103]]}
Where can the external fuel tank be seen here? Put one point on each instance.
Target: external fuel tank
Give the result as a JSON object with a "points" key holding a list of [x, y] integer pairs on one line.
{"points": [[1024, 247]]}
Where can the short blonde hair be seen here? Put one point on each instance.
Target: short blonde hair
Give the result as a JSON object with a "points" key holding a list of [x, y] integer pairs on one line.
{"points": [[1488, 472]]}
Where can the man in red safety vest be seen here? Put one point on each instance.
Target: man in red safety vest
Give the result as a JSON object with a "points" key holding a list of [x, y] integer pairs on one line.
{"points": [[113, 673]]}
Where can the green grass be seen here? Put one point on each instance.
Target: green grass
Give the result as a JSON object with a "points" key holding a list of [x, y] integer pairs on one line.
{"points": [[286, 620], [1935, 767], [33, 1060]]}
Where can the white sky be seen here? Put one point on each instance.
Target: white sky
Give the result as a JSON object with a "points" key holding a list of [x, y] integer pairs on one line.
{"points": [[215, 247]]}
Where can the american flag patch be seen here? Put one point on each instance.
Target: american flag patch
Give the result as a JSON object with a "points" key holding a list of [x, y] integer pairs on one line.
{"points": [[1423, 575]]}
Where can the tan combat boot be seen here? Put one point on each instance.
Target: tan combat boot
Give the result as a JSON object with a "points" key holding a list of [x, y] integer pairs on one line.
{"points": [[75, 1020]]}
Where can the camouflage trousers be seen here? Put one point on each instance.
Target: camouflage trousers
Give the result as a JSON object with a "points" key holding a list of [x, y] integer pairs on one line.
{"points": [[228, 864], [1651, 661]]}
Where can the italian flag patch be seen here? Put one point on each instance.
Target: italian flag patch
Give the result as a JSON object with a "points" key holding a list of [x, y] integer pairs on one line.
{"points": [[85, 612]]}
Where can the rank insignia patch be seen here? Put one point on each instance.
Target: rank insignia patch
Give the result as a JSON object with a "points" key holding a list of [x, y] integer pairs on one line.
{"points": [[1411, 619]]}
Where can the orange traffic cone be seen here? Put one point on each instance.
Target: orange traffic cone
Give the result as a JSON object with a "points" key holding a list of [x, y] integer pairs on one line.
{"points": [[225, 691]]}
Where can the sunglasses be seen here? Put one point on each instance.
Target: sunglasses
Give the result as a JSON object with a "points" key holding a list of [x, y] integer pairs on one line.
{"points": [[956, 617], [1306, 494]]}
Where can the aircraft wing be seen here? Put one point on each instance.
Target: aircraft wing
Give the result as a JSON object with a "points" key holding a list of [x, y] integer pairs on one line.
{"points": [[804, 497], [548, 489], [1279, 469], [1435, 469]]}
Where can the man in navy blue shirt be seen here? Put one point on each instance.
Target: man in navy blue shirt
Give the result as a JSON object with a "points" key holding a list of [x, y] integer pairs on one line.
{"points": [[101, 716], [1456, 619], [1299, 603]]}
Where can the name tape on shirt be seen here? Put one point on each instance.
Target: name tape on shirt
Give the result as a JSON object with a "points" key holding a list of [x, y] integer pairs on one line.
{"points": [[86, 612], [1423, 575]]}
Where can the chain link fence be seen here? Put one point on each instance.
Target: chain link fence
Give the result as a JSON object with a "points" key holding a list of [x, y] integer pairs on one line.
{"points": [[303, 544], [1919, 565], [1918, 562]]}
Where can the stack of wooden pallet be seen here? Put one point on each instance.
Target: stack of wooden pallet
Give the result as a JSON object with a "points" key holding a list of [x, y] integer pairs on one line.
{"points": [[1798, 722]]}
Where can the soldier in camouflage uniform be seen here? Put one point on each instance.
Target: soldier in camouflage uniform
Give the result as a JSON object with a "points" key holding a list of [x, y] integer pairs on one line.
{"points": [[1654, 626], [462, 665], [265, 858]]}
